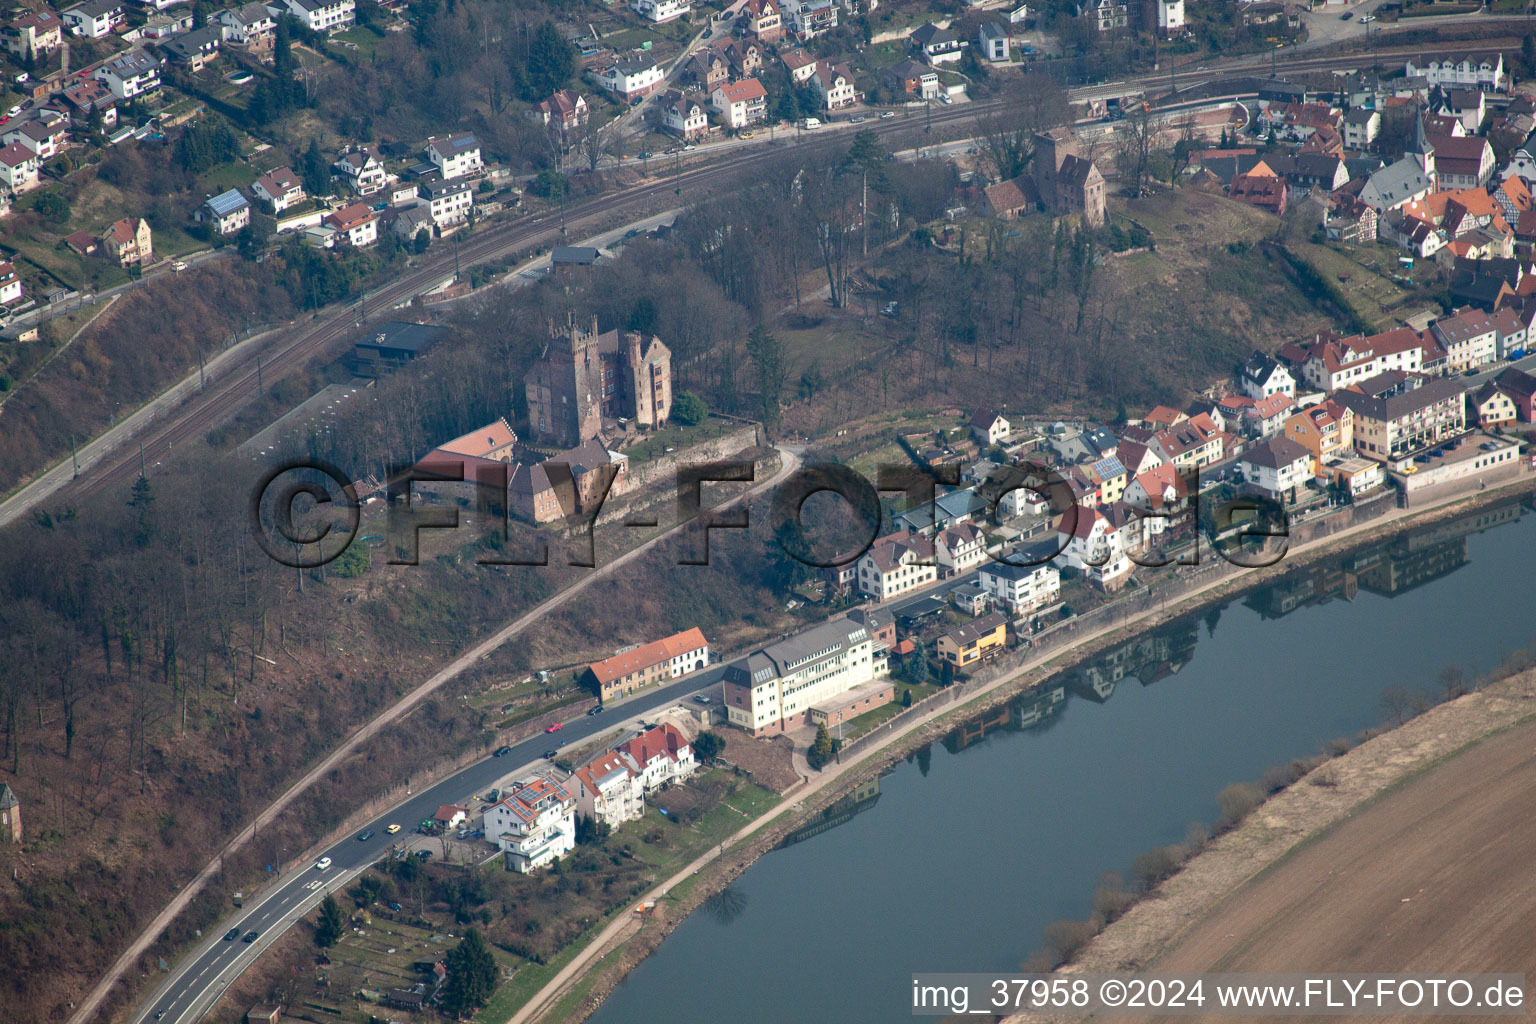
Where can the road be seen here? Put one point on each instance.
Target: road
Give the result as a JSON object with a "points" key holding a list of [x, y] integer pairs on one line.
{"points": [[196, 984]]}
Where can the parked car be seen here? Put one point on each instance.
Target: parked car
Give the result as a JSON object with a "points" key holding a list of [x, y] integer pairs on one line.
{"points": [[672, 149], [179, 266], [232, 935], [1346, 15], [550, 755], [502, 752], [323, 864], [424, 854], [702, 698], [887, 114], [689, 148], [594, 710], [365, 835]]}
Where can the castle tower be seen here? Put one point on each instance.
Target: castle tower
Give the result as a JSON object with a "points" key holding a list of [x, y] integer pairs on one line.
{"points": [[1051, 150], [10, 815]]}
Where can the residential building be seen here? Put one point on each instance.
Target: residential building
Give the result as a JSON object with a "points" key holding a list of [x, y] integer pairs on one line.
{"points": [[44, 138], [94, 18], [130, 74], [361, 171], [1398, 415], [834, 84], [974, 642], [584, 377], [1020, 589], [448, 200], [357, 225], [1169, 21], [908, 76], [455, 155], [707, 70], [1512, 329], [742, 103], [1194, 443], [646, 665], [1277, 468], [608, 790], [226, 212], [994, 41], [683, 115], [18, 168], [195, 49], [1361, 126], [1521, 389], [564, 111], [1483, 71], [661, 11], [660, 756], [1263, 375], [533, 824], [1092, 542], [129, 242], [32, 33], [1266, 191], [1491, 406], [745, 55], [801, 65], [1468, 338], [896, 564], [1326, 430], [1329, 363], [1105, 15], [764, 20], [1462, 162], [279, 188], [10, 284], [773, 688], [631, 77], [250, 27], [937, 45], [988, 427], [807, 19], [321, 15], [959, 549], [1397, 184]]}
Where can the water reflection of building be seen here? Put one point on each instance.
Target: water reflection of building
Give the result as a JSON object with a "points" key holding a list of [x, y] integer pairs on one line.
{"points": [[977, 729], [1038, 706], [1403, 567], [840, 812], [1149, 659]]}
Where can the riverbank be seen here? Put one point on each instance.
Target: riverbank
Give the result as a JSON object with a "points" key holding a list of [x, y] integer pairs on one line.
{"points": [[1302, 873], [592, 974]]}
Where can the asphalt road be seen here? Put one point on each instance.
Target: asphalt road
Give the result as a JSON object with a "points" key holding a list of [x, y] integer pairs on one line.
{"points": [[200, 979]]}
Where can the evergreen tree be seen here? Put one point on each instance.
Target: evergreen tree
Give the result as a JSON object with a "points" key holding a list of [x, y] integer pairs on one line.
{"points": [[551, 62], [642, 316], [143, 500], [708, 745], [472, 975], [906, 698], [767, 355], [821, 750], [316, 172], [332, 923]]}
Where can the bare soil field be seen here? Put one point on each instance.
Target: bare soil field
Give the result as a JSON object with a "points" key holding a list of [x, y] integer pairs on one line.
{"points": [[1411, 854]]}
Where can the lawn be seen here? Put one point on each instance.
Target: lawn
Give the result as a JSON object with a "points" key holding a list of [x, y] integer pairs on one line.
{"points": [[1359, 274], [871, 720], [676, 437]]}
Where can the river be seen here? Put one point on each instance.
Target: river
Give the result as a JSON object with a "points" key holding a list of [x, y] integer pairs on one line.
{"points": [[972, 846]]}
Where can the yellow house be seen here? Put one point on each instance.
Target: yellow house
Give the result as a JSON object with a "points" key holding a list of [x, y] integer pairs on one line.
{"points": [[1493, 407], [974, 641], [1326, 430]]}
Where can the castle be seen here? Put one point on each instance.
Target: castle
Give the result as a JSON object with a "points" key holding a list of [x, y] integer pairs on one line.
{"points": [[583, 378], [1067, 182]]}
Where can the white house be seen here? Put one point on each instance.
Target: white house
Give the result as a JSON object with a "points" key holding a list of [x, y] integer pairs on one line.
{"points": [[362, 172], [355, 224], [896, 564], [994, 41], [1484, 71], [774, 688], [226, 212], [279, 188], [1171, 22], [834, 84], [960, 548], [320, 15], [659, 756], [130, 74], [740, 104], [18, 167], [660, 11], [806, 19], [988, 427], [10, 284], [449, 201], [683, 115], [609, 790], [94, 18], [1092, 543], [1262, 376], [455, 155], [1020, 589], [42, 138], [534, 824], [937, 45], [1277, 467], [631, 76]]}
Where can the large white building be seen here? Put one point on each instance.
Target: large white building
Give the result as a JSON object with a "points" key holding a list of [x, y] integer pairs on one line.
{"points": [[456, 155], [1095, 545], [1020, 589], [320, 15], [660, 10], [773, 689], [609, 790], [1484, 71], [631, 77], [896, 564], [534, 823], [1278, 467]]}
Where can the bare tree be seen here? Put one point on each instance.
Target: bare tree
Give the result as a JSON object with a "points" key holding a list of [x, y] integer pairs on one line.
{"points": [[597, 143], [1137, 138], [1031, 104]]}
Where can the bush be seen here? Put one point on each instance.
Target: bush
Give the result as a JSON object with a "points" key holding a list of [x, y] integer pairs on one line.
{"points": [[1235, 803], [689, 409]]}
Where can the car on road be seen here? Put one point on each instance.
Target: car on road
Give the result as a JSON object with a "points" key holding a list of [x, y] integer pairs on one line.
{"points": [[550, 755], [594, 711], [887, 114], [744, 135], [250, 936], [323, 864], [701, 698], [946, 100], [556, 727], [179, 266], [645, 154], [365, 835], [392, 829], [14, 110], [502, 752], [689, 148], [1364, 18], [1346, 15], [232, 935], [858, 120], [672, 149]]}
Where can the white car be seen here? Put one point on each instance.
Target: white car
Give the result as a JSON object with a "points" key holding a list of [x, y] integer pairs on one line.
{"points": [[323, 864], [1364, 18], [887, 114]]}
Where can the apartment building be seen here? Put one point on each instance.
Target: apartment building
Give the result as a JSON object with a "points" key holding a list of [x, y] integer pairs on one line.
{"points": [[1020, 589], [773, 688], [533, 824], [896, 564], [609, 790], [635, 669], [974, 642], [456, 155], [1398, 415]]}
